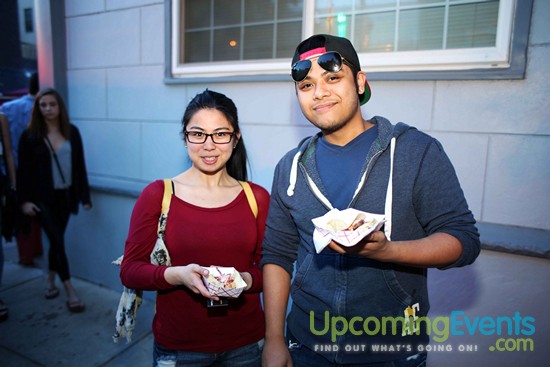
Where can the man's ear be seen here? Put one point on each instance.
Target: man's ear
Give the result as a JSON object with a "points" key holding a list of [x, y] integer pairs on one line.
{"points": [[361, 81]]}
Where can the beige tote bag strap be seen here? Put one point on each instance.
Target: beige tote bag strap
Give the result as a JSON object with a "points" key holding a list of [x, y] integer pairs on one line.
{"points": [[250, 197], [168, 189]]}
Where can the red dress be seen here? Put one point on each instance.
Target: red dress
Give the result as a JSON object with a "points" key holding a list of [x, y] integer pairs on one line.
{"points": [[224, 236]]}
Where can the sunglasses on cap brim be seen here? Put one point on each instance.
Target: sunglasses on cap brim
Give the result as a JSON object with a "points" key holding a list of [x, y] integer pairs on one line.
{"points": [[330, 61]]}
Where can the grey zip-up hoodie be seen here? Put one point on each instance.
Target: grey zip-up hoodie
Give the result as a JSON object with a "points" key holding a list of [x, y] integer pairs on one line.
{"points": [[339, 300]]}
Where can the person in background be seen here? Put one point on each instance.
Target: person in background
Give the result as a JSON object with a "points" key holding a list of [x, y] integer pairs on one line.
{"points": [[28, 232], [7, 161], [7, 183], [210, 223], [373, 166], [52, 182]]}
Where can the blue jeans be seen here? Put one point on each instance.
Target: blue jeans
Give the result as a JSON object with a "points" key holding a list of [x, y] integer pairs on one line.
{"points": [[305, 357], [247, 356]]}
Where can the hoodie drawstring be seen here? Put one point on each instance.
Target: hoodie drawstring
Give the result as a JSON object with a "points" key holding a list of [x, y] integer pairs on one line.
{"points": [[293, 174], [389, 194]]}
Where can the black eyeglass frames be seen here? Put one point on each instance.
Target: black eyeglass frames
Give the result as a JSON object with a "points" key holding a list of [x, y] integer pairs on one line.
{"points": [[199, 137]]}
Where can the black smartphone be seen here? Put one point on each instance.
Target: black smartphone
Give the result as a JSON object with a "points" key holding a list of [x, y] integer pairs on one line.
{"points": [[212, 303]]}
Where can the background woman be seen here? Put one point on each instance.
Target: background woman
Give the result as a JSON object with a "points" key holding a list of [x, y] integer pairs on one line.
{"points": [[52, 181], [209, 223]]}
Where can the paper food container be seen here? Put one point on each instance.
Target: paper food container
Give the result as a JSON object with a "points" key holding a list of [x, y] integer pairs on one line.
{"points": [[224, 281], [347, 227]]}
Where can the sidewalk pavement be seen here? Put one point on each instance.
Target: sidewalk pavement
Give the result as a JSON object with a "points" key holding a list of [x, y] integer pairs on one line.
{"points": [[41, 332]]}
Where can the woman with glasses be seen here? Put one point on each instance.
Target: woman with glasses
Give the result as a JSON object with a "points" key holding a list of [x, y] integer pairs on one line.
{"points": [[210, 223], [52, 182]]}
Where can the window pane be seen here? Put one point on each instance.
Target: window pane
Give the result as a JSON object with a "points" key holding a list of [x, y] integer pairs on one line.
{"points": [[418, 2], [288, 37], [29, 24], [374, 4], [375, 32], [473, 25], [197, 47], [227, 12], [258, 10], [339, 25], [258, 42], [231, 30], [197, 14], [421, 29], [289, 9], [227, 44], [331, 6]]}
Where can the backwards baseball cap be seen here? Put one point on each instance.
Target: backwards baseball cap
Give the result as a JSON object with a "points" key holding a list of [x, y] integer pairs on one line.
{"points": [[320, 44]]}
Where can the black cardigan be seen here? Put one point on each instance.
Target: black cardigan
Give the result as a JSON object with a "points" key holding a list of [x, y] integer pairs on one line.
{"points": [[34, 172]]}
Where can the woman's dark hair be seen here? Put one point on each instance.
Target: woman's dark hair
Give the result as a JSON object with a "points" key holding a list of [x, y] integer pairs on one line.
{"points": [[37, 124], [237, 163]]}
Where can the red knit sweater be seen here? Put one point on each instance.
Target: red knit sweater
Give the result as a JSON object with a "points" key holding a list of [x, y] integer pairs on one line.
{"points": [[225, 236]]}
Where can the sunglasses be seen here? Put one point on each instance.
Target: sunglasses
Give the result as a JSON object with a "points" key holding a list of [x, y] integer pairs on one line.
{"points": [[331, 61]]}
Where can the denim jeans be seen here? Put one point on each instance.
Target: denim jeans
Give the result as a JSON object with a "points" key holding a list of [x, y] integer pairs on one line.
{"points": [[247, 356], [54, 218], [305, 357]]}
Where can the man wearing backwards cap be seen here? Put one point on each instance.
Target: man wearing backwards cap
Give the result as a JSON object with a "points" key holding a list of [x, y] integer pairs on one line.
{"points": [[345, 298]]}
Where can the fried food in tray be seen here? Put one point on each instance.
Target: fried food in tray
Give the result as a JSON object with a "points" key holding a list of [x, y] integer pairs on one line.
{"points": [[224, 281], [347, 227]]}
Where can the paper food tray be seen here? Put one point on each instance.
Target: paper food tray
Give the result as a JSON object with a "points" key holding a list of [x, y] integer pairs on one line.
{"points": [[216, 288], [336, 225]]}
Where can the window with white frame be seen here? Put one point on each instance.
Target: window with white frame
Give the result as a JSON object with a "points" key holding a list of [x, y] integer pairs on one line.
{"points": [[249, 37]]}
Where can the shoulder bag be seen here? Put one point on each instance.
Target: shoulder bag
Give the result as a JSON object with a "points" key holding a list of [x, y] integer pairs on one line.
{"points": [[131, 299]]}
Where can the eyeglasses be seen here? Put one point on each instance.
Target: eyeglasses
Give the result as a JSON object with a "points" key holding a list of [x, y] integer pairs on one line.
{"points": [[331, 61], [198, 137]]}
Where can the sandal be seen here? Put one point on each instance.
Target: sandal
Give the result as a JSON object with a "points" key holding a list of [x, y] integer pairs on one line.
{"points": [[3, 311], [76, 306], [51, 293]]}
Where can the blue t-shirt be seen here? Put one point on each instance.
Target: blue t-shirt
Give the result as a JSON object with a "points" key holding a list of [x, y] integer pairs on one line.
{"points": [[340, 167], [18, 113]]}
